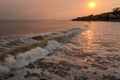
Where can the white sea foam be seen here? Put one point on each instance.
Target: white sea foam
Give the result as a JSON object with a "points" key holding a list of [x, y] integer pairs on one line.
{"points": [[12, 62], [23, 59]]}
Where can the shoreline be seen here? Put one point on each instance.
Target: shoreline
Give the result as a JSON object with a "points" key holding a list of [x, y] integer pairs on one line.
{"points": [[94, 21]]}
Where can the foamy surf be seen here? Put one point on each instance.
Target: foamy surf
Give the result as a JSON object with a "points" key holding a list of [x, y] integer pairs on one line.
{"points": [[17, 53], [63, 55]]}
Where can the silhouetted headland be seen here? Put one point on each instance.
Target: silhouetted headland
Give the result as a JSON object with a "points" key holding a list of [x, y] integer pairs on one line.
{"points": [[108, 16]]}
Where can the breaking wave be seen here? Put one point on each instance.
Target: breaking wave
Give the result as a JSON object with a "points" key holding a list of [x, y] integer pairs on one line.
{"points": [[36, 47]]}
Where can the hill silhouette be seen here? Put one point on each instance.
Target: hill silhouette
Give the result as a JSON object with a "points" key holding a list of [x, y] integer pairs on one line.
{"points": [[108, 16]]}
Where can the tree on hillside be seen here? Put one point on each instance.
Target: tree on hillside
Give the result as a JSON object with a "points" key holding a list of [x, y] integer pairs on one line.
{"points": [[116, 11]]}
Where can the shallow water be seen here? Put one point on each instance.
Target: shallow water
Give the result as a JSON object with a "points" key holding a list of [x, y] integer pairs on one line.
{"points": [[101, 37]]}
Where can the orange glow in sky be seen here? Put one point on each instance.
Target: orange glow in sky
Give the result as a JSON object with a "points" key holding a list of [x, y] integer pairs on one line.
{"points": [[53, 9], [92, 4]]}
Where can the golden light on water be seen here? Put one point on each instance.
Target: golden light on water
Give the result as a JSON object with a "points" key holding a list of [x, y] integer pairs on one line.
{"points": [[89, 37], [88, 44], [92, 4]]}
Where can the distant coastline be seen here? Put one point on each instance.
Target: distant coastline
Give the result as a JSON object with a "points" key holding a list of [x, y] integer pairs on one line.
{"points": [[108, 16]]}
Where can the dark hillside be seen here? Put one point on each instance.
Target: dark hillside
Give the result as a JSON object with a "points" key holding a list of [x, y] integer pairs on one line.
{"points": [[108, 16]]}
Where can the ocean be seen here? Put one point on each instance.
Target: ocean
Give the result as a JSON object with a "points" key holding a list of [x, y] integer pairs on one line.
{"points": [[13, 27], [61, 50], [93, 31]]}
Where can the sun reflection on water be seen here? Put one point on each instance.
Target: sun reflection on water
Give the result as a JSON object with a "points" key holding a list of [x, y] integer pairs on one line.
{"points": [[89, 39]]}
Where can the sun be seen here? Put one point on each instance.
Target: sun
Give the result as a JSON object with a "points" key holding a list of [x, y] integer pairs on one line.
{"points": [[92, 5]]}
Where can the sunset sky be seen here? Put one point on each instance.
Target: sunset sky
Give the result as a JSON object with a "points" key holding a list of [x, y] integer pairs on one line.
{"points": [[53, 9]]}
